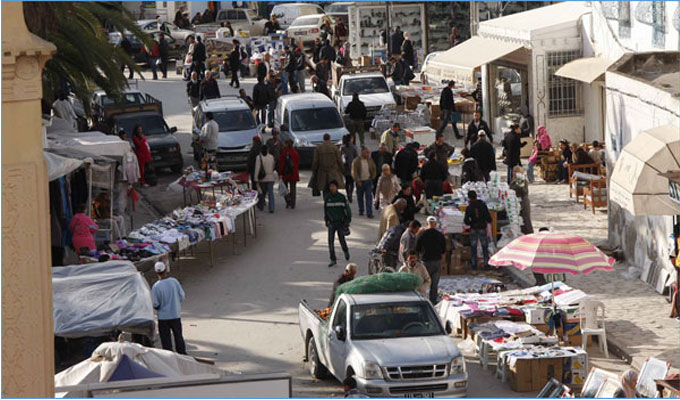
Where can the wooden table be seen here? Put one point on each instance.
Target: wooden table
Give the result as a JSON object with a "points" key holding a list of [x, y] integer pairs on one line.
{"points": [[672, 385]]}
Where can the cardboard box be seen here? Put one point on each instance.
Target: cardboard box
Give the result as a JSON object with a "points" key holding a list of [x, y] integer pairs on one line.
{"points": [[521, 375], [537, 316], [532, 374], [365, 61], [412, 102], [435, 111], [541, 327]]}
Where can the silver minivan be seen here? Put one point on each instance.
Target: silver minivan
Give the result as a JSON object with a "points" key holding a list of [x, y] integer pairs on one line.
{"points": [[237, 129], [305, 118]]}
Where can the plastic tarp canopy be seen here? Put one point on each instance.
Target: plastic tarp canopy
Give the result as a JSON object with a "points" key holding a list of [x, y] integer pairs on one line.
{"points": [[106, 358], [93, 142], [58, 166], [92, 299], [128, 369]]}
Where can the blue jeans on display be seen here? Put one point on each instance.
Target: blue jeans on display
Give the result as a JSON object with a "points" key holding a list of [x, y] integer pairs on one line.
{"points": [[448, 116], [270, 114], [300, 76], [475, 236], [267, 189], [530, 171], [332, 229], [365, 192], [283, 85], [261, 115]]}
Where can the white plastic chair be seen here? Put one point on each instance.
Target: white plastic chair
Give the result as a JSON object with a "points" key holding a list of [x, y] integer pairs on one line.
{"points": [[593, 324]]}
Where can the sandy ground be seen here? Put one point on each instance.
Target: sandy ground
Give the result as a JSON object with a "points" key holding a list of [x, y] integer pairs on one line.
{"points": [[243, 311]]}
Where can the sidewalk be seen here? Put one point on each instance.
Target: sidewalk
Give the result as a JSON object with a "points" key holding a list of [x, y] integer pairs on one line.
{"points": [[637, 319]]}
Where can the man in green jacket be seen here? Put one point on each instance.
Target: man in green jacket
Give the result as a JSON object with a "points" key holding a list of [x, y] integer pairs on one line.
{"points": [[337, 215]]}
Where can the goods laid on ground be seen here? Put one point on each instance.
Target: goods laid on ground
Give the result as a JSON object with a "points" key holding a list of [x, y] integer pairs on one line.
{"points": [[468, 284], [530, 337], [549, 162]]}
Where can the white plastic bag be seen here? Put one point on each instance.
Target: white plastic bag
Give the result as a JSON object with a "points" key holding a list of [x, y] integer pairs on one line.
{"points": [[283, 190]]}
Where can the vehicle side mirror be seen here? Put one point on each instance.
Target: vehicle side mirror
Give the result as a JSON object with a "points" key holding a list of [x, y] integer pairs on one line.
{"points": [[448, 328], [284, 128], [340, 332], [173, 129]]}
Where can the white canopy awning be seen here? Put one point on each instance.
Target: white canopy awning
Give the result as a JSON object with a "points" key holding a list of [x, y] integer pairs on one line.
{"points": [[586, 70], [635, 183], [58, 166], [460, 62]]}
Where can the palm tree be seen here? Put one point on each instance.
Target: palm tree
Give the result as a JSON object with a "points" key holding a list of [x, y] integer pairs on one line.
{"points": [[84, 59]]}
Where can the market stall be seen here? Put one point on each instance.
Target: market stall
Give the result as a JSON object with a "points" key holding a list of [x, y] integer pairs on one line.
{"points": [[531, 340]]}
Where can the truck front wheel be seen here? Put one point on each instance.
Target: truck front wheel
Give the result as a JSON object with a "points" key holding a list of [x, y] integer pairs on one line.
{"points": [[316, 369]]}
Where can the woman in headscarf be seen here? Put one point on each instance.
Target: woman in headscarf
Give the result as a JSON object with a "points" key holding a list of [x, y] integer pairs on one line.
{"points": [[387, 187], [628, 382], [407, 50], [543, 138]]}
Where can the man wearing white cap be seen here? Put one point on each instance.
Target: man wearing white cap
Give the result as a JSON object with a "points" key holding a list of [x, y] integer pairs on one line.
{"points": [[167, 294], [431, 244]]}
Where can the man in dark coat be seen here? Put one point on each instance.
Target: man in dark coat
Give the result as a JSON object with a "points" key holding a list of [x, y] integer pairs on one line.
{"points": [[323, 69], [482, 151], [199, 57], [396, 71], [260, 100], [327, 52], [433, 174], [406, 163], [381, 157], [235, 64], [513, 144], [442, 149], [209, 88], [448, 110], [396, 40], [477, 124], [165, 54], [356, 110], [316, 50]]}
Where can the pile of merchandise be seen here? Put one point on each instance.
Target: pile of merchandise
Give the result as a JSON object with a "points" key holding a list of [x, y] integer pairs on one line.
{"points": [[387, 117], [469, 284]]}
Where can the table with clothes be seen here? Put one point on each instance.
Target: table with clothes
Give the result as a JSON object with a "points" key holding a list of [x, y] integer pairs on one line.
{"points": [[214, 183], [185, 228]]}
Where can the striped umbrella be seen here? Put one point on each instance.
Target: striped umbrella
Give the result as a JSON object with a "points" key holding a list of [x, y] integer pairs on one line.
{"points": [[553, 253]]}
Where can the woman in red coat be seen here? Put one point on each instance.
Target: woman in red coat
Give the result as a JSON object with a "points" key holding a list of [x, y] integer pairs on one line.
{"points": [[142, 151], [289, 171]]}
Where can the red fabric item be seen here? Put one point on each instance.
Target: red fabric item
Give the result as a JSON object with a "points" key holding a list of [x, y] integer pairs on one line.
{"points": [[82, 227], [155, 50], [295, 158], [418, 187], [514, 311], [142, 149], [447, 188], [134, 197]]}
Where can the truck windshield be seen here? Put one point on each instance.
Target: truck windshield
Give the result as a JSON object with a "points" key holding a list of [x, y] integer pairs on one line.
{"points": [[128, 98], [230, 121], [151, 125], [316, 119], [365, 86], [393, 320]]}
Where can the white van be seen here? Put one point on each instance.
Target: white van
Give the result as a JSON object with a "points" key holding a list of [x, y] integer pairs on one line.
{"points": [[287, 13], [304, 118]]}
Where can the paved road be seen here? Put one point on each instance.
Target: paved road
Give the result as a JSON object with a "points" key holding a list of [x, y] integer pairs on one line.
{"points": [[243, 311]]}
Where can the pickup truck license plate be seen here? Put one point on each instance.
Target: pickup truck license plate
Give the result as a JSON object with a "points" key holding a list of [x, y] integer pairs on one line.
{"points": [[299, 33], [429, 395]]}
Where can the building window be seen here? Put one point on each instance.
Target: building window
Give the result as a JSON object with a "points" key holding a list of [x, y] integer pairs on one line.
{"points": [[676, 19], [624, 19], [565, 94], [653, 13]]}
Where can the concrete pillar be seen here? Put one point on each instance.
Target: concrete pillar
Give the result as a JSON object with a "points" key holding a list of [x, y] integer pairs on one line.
{"points": [[27, 333]]}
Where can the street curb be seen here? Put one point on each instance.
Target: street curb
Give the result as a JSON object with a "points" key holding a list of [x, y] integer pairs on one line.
{"points": [[614, 348]]}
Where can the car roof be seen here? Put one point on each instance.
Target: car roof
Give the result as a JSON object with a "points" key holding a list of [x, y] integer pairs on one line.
{"points": [[138, 114], [291, 5], [381, 298], [311, 16], [100, 92], [363, 75], [306, 100], [145, 21], [224, 104]]}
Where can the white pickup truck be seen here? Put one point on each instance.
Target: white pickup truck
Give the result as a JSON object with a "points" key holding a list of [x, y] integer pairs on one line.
{"points": [[393, 344], [372, 87]]}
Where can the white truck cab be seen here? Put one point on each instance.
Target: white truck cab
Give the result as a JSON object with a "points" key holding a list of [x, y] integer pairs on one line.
{"points": [[393, 344], [373, 88]]}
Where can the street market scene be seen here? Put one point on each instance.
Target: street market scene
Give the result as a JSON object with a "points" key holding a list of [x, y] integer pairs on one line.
{"points": [[341, 199]]}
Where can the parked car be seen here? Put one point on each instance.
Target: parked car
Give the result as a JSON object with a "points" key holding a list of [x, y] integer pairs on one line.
{"points": [[305, 118], [237, 129], [177, 33], [339, 10], [177, 47], [165, 149], [244, 20], [307, 28], [393, 344], [374, 91], [286, 13]]}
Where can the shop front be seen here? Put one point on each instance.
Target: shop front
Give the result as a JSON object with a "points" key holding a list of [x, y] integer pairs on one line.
{"points": [[514, 59]]}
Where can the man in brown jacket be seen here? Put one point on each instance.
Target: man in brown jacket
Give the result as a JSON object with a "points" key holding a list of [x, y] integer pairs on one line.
{"points": [[327, 166], [363, 173], [390, 216]]}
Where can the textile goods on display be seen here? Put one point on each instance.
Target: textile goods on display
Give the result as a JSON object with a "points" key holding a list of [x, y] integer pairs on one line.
{"points": [[468, 284]]}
